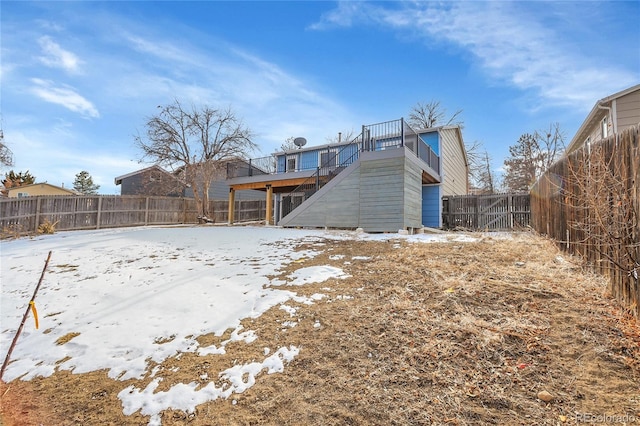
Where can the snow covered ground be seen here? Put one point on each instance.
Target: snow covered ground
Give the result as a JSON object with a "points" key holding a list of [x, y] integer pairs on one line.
{"points": [[126, 296]]}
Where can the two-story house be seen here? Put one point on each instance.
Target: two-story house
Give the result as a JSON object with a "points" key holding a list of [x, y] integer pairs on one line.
{"points": [[389, 178]]}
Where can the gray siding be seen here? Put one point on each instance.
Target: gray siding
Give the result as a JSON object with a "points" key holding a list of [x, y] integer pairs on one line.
{"points": [[336, 205], [382, 193], [153, 183], [454, 165], [220, 191], [628, 110], [412, 194]]}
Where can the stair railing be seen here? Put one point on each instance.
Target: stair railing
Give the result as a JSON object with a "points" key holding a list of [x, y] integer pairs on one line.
{"points": [[329, 168]]}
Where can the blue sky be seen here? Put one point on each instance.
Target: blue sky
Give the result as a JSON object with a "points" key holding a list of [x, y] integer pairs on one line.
{"points": [[79, 78]]}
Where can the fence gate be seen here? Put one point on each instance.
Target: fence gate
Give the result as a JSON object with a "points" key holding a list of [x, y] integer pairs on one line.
{"points": [[486, 212]]}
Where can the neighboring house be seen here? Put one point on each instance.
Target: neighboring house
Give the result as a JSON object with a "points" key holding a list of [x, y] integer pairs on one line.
{"points": [[388, 178], [39, 189], [155, 181], [152, 181], [609, 116]]}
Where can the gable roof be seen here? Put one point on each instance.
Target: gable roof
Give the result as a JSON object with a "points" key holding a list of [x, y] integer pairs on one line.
{"points": [[118, 180], [60, 188], [457, 129], [596, 114]]}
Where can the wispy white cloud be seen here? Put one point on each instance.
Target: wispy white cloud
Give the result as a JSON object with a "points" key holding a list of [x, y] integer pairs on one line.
{"points": [[508, 41], [272, 101], [65, 96], [343, 16], [57, 57]]}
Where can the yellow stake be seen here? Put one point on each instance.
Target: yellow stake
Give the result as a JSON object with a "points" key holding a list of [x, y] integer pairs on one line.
{"points": [[35, 312]]}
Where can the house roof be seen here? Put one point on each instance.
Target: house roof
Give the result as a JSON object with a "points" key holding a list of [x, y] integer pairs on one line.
{"points": [[118, 180], [349, 142], [315, 147], [455, 128], [23, 187], [596, 114]]}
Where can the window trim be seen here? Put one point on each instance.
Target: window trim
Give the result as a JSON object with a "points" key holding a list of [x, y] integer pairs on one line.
{"points": [[330, 151], [604, 127], [290, 157]]}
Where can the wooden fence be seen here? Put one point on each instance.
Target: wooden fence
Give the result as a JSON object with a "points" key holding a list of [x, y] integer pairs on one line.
{"points": [[486, 212], [589, 203], [25, 215]]}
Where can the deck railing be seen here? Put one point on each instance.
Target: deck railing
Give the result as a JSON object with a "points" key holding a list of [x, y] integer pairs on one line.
{"points": [[397, 134], [334, 162], [251, 167], [374, 137]]}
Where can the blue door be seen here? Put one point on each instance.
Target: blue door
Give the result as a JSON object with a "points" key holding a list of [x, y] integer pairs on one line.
{"points": [[432, 206]]}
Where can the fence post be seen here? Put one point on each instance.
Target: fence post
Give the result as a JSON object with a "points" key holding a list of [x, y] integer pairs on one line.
{"points": [[75, 212], [510, 209], [38, 207], [99, 215], [146, 211], [231, 206]]}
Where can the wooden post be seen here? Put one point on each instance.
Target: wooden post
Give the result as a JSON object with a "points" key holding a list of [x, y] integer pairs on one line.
{"points": [[269, 213], [232, 204], [38, 208], [146, 211], [30, 307], [99, 214]]}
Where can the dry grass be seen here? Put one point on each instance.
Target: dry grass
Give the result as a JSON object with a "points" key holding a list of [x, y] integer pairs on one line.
{"points": [[47, 227], [66, 338], [455, 333]]}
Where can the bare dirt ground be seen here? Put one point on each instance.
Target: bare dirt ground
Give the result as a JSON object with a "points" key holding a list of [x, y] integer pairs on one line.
{"points": [[449, 334]]}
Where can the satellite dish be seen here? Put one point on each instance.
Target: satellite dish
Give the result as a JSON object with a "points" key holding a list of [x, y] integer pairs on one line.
{"points": [[299, 142]]}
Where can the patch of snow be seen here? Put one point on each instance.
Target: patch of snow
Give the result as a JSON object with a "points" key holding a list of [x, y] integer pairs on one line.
{"points": [[131, 297], [316, 274], [290, 309], [361, 258]]}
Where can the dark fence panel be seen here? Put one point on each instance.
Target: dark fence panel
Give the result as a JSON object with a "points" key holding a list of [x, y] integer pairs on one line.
{"points": [[589, 203], [494, 212], [25, 215]]}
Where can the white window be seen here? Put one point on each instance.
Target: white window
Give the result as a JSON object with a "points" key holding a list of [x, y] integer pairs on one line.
{"points": [[604, 126], [23, 194], [587, 143], [292, 163]]}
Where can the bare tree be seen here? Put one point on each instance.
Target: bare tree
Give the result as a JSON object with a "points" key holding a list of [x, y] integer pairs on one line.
{"points": [[484, 179], [159, 182], [432, 114], [531, 156], [198, 142], [346, 136], [474, 160], [551, 144], [288, 144], [6, 156]]}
